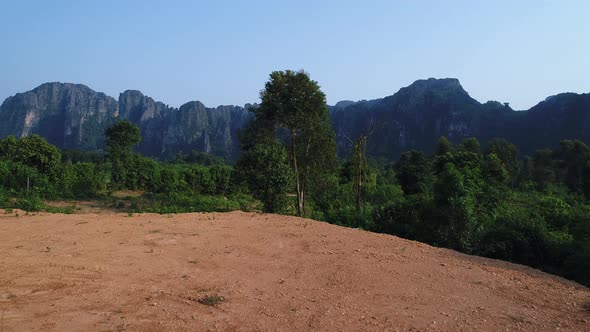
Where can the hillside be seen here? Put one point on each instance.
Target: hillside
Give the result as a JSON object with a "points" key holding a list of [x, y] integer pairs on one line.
{"points": [[74, 116], [249, 271]]}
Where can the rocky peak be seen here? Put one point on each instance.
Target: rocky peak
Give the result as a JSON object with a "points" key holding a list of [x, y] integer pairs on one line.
{"points": [[136, 107], [439, 87], [343, 104], [64, 113]]}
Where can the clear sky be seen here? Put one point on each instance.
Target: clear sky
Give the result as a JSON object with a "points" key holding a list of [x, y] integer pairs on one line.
{"points": [[221, 52]]}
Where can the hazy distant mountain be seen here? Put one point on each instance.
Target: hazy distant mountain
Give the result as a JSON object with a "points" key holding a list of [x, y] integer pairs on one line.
{"points": [[417, 115], [68, 115], [74, 116]]}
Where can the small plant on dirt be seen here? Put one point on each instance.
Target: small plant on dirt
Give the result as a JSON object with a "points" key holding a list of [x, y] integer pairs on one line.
{"points": [[211, 300]]}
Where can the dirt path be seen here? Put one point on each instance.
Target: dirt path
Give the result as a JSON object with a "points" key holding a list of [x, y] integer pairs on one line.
{"points": [[253, 272]]}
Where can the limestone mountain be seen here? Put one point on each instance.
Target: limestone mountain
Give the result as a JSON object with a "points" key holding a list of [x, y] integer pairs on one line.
{"points": [[417, 115], [68, 115], [74, 116]]}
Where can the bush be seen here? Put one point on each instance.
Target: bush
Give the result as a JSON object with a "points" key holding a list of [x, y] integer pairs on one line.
{"points": [[188, 202], [518, 235]]}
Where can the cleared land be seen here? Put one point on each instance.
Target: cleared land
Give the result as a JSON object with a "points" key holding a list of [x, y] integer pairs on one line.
{"points": [[256, 272]]}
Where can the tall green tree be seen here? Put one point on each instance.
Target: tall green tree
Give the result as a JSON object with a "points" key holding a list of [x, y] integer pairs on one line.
{"points": [[506, 152], [414, 172], [443, 146], [265, 169], [470, 145], [128, 170], [360, 172], [121, 137], [33, 151], [295, 104]]}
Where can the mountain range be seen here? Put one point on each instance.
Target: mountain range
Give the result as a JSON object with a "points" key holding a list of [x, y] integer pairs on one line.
{"points": [[73, 116]]}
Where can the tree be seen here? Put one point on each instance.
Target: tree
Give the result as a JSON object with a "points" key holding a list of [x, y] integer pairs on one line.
{"points": [[443, 146], [574, 165], [359, 173], [8, 147], [128, 170], [121, 137], [33, 151], [494, 170], [471, 145], [507, 152], [294, 103], [413, 172], [266, 171]]}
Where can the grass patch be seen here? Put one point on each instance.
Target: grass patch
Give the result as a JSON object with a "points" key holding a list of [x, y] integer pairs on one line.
{"points": [[517, 319], [127, 194], [173, 203], [65, 209], [211, 300], [34, 204]]}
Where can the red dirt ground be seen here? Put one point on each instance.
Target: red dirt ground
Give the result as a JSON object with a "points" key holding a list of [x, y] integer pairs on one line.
{"points": [[113, 272]]}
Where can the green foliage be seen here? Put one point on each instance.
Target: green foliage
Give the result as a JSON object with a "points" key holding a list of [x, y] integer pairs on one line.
{"points": [[466, 203], [470, 145], [405, 217], [506, 152], [121, 137], [201, 158], [81, 180], [293, 100], [182, 202], [494, 170], [414, 172], [294, 103], [33, 151], [517, 235], [265, 169], [443, 146]]}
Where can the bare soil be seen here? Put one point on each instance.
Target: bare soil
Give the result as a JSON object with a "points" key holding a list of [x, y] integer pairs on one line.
{"points": [[256, 272]]}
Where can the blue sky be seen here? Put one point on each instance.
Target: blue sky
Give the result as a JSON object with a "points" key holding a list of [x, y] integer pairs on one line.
{"points": [[221, 52]]}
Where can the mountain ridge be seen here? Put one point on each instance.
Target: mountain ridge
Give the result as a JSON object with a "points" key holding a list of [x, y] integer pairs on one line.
{"points": [[74, 116]]}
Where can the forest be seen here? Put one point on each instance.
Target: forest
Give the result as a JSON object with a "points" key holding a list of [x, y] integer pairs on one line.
{"points": [[487, 200]]}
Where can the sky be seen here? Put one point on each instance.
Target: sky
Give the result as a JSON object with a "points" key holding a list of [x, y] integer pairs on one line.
{"points": [[221, 52]]}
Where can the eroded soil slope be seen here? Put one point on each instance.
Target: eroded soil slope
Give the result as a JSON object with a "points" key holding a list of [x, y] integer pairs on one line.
{"points": [[249, 272]]}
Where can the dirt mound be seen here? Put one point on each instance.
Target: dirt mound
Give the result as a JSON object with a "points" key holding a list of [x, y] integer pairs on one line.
{"points": [[248, 271]]}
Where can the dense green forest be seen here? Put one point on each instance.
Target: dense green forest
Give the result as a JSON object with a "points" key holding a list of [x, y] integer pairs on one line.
{"points": [[483, 200]]}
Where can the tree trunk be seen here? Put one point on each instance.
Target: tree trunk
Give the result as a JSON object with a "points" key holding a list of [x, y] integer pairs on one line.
{"points": [[299, 188], [304, 178]]}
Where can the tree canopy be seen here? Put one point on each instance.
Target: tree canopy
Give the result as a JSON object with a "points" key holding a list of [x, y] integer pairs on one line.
{"points": [[294, 106], [122, 136]]}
